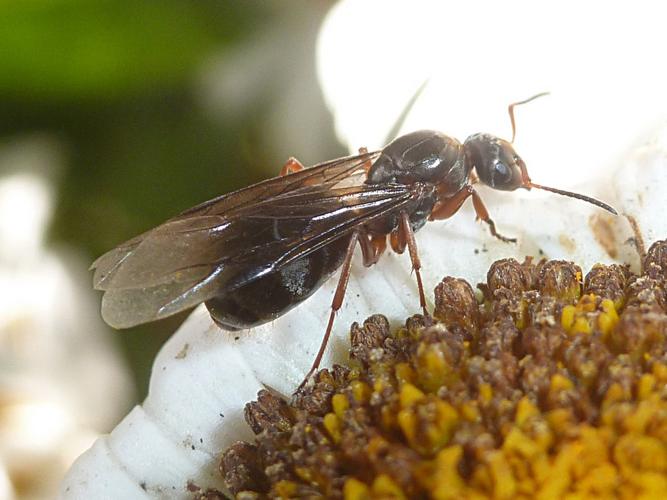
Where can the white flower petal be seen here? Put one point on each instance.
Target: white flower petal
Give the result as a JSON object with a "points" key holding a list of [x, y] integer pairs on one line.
{"points": [[640, 186], [97, 474]]}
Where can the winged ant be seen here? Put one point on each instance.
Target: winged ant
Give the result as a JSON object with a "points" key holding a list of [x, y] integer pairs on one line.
{"points": [[254, 254]]}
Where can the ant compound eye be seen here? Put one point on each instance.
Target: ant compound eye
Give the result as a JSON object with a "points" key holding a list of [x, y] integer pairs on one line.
{"points": [[502, 174]]}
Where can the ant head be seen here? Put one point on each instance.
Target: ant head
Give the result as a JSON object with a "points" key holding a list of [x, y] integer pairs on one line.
{"points": [[500, 167], [496, 163]]}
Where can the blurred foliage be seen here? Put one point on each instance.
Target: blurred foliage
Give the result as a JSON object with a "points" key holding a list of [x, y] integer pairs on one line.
{"points": [[115, 82], [73, 49]]}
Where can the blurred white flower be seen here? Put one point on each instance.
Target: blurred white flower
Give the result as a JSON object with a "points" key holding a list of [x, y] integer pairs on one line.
{"points": [[277, 69], [61, 381], [599, 60], [598, 133], [6, 489]]}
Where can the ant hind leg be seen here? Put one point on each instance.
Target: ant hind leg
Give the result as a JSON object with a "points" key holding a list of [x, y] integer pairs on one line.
{"points": [[336, 304], [407, 235], [367, 163], [291, 166]]}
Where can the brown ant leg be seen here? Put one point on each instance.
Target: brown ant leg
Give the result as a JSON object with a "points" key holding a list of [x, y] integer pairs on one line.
{"points": [[448, 207], [409, 236], [397, 241], [367, 163], [444, 209], [336, 303], [291, 166], [379, 243], [483, 214], [372, 247]]}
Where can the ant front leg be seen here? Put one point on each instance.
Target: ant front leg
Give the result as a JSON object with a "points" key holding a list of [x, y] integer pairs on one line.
{"points": [[483, 214], [444, 209], [291, 166]]}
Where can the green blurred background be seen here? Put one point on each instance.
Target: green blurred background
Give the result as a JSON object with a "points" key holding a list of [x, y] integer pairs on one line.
{"points": [[157, 106]]}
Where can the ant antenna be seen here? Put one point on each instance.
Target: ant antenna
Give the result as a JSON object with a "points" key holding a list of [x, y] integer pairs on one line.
{"points": [[578, 196], [529, 184], [510, 109]]}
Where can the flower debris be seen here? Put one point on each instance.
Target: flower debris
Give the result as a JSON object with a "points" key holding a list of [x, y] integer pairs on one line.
{"points": [[551, 386]]}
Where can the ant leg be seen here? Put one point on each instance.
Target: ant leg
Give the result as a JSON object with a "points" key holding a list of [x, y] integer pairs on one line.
{"points": [[444, 209], [367, 163], [379, 244], [448, 207], [409, 237], [483, 214], [292, 165], [336, 303], [397, 241], [372, 247]]}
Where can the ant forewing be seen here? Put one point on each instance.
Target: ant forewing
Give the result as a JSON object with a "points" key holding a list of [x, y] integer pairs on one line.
{"points": [[253, 254]]}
